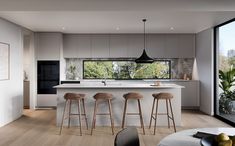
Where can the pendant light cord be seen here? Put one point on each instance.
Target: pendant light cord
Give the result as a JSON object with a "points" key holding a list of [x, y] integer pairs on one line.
{"points": [[144, 20]]}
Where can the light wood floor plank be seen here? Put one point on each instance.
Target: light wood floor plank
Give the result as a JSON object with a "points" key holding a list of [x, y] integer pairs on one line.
{"points": [[37, 128]]}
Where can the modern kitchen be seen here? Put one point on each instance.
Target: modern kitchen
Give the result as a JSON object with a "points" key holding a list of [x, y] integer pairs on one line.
{"points": [[90, 75]]}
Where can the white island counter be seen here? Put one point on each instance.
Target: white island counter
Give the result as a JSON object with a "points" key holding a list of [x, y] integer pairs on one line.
{"points": [[118, 89]]}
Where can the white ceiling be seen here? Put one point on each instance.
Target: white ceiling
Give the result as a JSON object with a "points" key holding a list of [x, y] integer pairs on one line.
{"points": [[105, 16]]}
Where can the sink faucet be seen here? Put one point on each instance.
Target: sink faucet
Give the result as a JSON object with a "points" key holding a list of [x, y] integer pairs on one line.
{"points": [[104, 80]]}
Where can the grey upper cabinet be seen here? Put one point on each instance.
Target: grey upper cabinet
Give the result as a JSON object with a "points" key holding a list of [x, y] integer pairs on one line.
{"points": [[77, 46], [100, 46], [118, 46], [156, 46], [187, 46], [48, 46], [135, 45], [128, 45], [172, 46]]}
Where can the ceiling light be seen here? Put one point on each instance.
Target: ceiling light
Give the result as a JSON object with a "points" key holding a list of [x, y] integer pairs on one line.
{"points": [[144, 58], [63, 28], [172, 28], [117, 28]]}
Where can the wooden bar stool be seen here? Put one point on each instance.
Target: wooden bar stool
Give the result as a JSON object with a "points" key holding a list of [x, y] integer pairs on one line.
{"points": [[134, 96], [69, 97], [162, 96], [103, 97]]}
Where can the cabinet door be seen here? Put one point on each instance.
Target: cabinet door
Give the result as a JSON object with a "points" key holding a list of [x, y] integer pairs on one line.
{"points": [[135, 45], [190, 94], [172, 46], [187, 46], [156, 46], [118, 46], [100, 46], [48, 46], [77, 46]]}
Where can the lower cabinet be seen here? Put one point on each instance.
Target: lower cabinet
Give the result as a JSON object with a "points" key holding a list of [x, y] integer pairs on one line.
{"points": [[190, 94], [46, 100]]}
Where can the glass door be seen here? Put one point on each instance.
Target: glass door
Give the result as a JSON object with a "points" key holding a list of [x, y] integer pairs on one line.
{"points": [[225, 71]]}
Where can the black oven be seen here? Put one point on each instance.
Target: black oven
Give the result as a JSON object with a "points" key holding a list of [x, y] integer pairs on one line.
{"points": [[48, 74]]}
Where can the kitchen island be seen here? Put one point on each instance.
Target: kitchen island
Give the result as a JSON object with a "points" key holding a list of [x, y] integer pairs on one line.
{"points": [[118, 89]]}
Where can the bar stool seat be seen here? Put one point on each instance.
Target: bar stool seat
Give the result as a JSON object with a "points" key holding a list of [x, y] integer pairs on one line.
{"points": [[162, 96], [133, 96], [103, 97], [69, 97]]}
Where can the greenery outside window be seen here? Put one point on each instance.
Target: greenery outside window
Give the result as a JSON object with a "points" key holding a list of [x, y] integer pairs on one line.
{"points": [[126, 69]]}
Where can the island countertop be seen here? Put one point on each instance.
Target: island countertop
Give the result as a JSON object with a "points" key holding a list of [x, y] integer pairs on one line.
{"points": [[117, 85]]}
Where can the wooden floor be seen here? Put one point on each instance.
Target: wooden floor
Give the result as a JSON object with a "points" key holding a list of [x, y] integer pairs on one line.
{"points": [[37, 128]]}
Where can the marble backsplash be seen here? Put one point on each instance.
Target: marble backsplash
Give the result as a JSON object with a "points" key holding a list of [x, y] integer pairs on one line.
{"points": [[181, 68]]}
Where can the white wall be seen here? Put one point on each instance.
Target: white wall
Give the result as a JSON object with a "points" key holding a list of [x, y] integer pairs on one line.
{"points": [[204, 59], [11, 91]]}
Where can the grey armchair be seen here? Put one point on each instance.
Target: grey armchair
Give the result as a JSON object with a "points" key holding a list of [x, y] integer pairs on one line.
{"points": [[127, 137]]}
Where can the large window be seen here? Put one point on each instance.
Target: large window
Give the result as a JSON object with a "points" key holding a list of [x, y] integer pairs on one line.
{"points": [[116, 69], [225, 71]]}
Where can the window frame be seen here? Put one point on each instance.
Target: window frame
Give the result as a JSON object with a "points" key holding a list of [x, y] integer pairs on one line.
{"points": [[215, 39], [86, 60]]}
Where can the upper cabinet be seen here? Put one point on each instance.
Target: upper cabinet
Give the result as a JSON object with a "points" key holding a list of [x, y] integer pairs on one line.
{"points": [[187, 46], [48, 46], [156, 46], [100, 46], [129, 45], [118, 45], [135, 45], [77, 46]]}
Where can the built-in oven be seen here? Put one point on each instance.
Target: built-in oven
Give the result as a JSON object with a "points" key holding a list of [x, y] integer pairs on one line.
{"points": [[48, 74]]}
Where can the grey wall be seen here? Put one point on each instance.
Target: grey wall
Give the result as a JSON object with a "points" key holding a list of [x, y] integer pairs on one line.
{"points": [[204, 58], [11, 91]]}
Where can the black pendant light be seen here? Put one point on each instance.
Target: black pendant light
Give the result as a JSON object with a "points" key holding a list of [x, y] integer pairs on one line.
{"points": [[144, 58]]}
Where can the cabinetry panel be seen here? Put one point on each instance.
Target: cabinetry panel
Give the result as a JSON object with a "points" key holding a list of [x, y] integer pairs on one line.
{"points": [[118, 46], [77, 46], [100, 46]]}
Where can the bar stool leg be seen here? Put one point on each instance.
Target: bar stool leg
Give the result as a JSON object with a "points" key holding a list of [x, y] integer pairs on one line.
{"points": [[155, 124], [84, 111], [172, 115], [141, 117], [168, 119], [111, 115], [124, 114], [94, 117], [79, 116], [62, 121], [70, 102], [151, 117]]}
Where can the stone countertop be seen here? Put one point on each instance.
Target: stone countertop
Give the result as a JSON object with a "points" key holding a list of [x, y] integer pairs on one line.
{"points": [[118, 85]]}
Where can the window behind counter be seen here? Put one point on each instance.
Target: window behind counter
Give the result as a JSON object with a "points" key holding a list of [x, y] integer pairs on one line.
{"points": [[126, 69]]}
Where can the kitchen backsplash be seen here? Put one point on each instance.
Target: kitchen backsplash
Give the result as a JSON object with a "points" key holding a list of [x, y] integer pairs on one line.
{"points": [[181, 68]]}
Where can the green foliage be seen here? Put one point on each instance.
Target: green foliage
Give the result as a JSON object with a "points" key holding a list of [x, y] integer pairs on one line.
{"points": [[126, 70], [227, 79]]}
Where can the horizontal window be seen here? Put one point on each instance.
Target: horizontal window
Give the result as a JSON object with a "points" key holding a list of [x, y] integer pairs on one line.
{"points": [[124, 69]]}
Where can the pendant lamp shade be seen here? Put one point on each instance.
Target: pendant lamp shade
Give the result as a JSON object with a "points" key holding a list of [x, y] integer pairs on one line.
{"points": [[144, 58]]}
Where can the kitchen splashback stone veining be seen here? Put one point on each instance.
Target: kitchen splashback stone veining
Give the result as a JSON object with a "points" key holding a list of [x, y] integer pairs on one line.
{"points": [[180, 68]]}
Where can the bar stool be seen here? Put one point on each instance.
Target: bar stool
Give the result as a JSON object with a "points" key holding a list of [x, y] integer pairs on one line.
{"points": [[69, 97], [134, 96], [103, 97], [162, 96]]}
